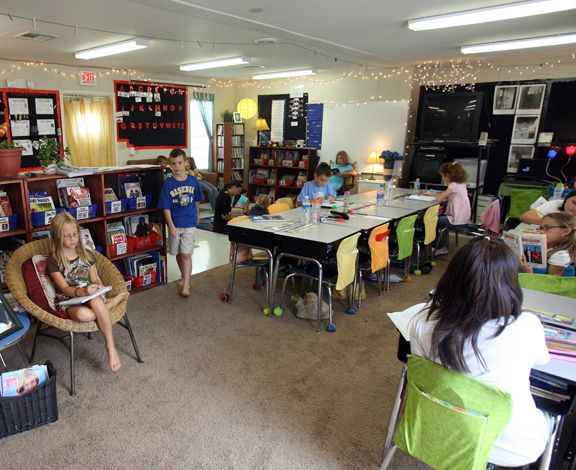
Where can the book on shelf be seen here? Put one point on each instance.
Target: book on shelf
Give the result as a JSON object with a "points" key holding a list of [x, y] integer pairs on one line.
{"points": [[145, 263], [85, 298], [18, 382], [127, 178], [78, 196], [5, 207], [87, 240], [132, 189], [110, 195], [63, 183], [137, 225], [238, 129], [41, 201], [116, 233], [41, 234], [145, 269], [156, 226], [530, 245]]}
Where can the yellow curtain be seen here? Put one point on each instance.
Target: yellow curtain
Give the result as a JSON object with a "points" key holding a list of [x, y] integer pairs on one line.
{"points": [[89, 130]]}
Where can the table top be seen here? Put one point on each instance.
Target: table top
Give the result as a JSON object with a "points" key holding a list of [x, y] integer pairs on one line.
{"points": [[362, 222], [387, 212], [560, 305], [405, 203], [12, 339]]}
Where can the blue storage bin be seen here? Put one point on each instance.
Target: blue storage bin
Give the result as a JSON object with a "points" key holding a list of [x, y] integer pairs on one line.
{"points": [[136, 203], [40, 219], [11, 225], [114, 207], [80, 213]]}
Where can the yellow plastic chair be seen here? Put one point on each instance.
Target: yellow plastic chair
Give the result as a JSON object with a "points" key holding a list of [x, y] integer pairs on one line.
{"points": [[347, 263], [278, 207], [430, 221], [261, 260], [286, 200], [379, 258]]}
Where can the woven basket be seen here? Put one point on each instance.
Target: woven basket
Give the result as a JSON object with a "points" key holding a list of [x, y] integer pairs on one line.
{"points": [[32, 409]]}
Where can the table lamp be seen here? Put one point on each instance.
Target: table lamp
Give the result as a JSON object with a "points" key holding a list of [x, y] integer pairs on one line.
{"points": [[373, 158], [259, 126]]}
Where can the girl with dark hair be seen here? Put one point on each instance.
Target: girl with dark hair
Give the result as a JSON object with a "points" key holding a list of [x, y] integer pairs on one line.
{"points": [[568, 205], [458, 207], [474, 325]]}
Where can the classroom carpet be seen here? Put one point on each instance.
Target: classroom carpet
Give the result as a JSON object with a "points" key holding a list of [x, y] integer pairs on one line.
{"points": [[224, 387]]}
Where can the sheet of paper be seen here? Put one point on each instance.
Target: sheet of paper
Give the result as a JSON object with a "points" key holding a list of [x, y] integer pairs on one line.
{"points": [[402, 319], [20, 128], [18, 106], [277, 121], [26, 145], [418, 197], [44, 106], [46, 127]]}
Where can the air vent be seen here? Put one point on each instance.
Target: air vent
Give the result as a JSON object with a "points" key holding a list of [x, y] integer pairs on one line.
{"points": [[34, 36]]}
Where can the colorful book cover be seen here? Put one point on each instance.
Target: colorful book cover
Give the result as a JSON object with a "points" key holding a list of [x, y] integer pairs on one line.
{"points": [[530, 245], [41, 202], [78, 196], [137, 225], [132, 189], [21, 381], [64, 183], [5, 207], [87, 240], [110, 195]]}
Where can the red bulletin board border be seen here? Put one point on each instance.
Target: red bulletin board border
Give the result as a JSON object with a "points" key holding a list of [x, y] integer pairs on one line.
{"points": [[31, 92], [146, 85]]}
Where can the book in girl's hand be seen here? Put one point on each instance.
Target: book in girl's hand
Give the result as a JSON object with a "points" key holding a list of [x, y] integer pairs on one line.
{"points": [[41, 202], [132, 189], [530, 245], [5, 207], [21, 381]]}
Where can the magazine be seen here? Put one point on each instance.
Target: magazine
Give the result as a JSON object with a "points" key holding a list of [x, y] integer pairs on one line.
{"points": [[21, 381], [69, 170], [5, 207], [41, 202], [78, 196], [86, 298], [64, 183], [530, 245]]}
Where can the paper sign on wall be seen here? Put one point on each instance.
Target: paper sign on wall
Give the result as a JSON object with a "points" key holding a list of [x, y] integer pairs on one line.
{"points": [[87, 78]]}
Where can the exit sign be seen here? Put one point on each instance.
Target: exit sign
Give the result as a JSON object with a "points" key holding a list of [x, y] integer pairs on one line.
{"points": [[88, 78]]}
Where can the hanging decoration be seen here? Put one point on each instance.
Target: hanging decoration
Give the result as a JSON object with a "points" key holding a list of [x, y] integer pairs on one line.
{"points": [[247, 108]]}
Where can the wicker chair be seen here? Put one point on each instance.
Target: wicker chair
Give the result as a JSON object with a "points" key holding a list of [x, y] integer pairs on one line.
{"points": [[109, 276]]}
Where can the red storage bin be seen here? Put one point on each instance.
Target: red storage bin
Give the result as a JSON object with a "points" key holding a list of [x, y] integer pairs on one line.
{"points": [[141, 281], [140, 243], [118, 249]]}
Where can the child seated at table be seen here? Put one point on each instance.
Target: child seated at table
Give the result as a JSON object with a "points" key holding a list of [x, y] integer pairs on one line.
{"points": [[318, 184], [261, 205], [240, 204]]}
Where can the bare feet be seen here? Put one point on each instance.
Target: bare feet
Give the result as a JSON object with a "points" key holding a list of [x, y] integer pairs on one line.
{"points": [[113, 359], [112, 302], [185, 292]]}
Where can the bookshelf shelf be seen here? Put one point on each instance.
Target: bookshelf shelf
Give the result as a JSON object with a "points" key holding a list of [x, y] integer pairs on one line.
{"points": [[229, 149]]}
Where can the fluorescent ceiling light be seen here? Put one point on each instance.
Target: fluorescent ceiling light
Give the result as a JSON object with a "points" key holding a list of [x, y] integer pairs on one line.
{"points": [[496, 13], [111, 49], [214, 64], [289, 73], [520, 44]]}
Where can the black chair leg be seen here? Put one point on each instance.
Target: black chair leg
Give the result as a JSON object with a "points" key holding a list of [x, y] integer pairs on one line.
{"points": [[126, 324]]}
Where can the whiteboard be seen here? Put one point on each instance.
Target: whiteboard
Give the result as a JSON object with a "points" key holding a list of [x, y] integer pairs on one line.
{"points": [[362, 129]]}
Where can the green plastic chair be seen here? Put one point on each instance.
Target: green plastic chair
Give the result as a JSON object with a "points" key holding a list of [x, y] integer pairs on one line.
{"points": [[520, 201], [559, 285], [450, 420], [405, 236]]}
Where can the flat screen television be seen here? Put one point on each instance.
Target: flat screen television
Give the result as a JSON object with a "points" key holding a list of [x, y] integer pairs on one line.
{"points": [[450, 116], [425, 167]]}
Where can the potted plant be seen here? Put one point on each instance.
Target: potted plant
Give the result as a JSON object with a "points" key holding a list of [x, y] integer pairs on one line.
{"points": [[10, 159], [226, 116], [389, 157], [49, 154]]}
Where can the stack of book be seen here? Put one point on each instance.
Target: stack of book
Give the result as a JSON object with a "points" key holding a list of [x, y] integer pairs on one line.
{"points": [[5, 207], [72, 192], [21, 381], [117, 240]]}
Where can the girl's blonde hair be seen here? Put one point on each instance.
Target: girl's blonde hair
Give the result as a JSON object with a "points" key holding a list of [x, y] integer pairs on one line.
{"points": [[263, 201], [568, 243], [56, 229], [455, 171], [344, 154]]}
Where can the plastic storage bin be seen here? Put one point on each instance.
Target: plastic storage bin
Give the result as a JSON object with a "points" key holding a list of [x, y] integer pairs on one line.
{"points": [[85, 212], [141, 281], [9, 223], [30, 410], [114, 207], [137, 203], [40, 219], [141, 243]]}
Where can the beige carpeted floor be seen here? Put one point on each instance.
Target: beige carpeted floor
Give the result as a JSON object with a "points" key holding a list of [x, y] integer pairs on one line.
{"points": [[223, 387]]}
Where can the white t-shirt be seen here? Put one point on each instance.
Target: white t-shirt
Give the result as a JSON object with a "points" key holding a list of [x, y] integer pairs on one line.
{"points": [[560, 258], [549, 207], [509, 358]]}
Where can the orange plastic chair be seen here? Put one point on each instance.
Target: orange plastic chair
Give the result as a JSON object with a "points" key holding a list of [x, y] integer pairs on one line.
{"points": [[278, 207]]}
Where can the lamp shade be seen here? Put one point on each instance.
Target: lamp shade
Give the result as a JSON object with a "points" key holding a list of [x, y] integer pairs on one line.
{"points": [[261, 125], [373, 157]]}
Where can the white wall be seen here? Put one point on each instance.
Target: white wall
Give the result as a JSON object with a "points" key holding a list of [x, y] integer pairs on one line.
{"points": [[359, 130]]}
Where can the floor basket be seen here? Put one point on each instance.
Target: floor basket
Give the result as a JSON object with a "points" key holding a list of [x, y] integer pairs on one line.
{"points": [[30, 410]]}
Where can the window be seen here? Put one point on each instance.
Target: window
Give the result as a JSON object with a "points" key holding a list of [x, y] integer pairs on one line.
{"points": [[199, 138]]}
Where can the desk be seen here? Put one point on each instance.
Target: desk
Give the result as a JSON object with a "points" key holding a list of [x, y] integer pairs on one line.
{"points": [[386, 212], [16, 337]]}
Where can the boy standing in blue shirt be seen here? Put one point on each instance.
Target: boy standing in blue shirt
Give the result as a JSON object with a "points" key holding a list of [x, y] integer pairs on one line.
{"points": [[180, 199], [318, 184]]}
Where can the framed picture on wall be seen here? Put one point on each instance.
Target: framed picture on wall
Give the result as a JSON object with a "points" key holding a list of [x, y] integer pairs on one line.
{"points": [[505, 99], [525, 129], [518, 152], [237, 117], [531, 98]]}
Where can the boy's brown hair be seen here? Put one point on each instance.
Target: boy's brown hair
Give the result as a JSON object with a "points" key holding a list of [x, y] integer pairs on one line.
{"points": [[323, 169]]}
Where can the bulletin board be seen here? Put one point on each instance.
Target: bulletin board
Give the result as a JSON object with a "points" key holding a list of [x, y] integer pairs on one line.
{"points": [[294, 116], [32, 114], [151, 115]]}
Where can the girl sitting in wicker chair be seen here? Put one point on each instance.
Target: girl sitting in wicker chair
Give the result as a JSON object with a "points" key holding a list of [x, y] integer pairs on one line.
{"points": [[73, 271]]}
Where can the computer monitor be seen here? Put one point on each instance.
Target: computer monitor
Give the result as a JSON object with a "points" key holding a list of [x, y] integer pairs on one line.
{"points": [[425, 167]]}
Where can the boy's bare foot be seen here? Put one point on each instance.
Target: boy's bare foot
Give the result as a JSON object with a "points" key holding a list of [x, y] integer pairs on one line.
{"points": [[113, 359], [122, 296], [185, 291], [180, 283]]}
